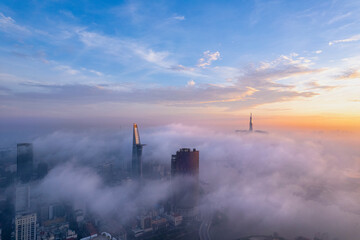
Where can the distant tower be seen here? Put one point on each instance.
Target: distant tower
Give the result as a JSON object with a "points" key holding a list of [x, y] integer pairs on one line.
{"points": [[185, 169], [251, 123], [136, 153], [24, 162]]}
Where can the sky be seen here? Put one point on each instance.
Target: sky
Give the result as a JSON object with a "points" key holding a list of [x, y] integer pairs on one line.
{"points": [[293, 64]]}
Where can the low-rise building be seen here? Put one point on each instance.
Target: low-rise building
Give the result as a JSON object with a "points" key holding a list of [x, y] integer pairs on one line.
{"points": [[158, 223], [175, 219]]}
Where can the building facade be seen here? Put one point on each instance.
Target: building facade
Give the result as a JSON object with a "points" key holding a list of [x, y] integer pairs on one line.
{"points": [[185, 177], [136, 153], [251, 123], [24, 162], [25, 227], [22, 198]]}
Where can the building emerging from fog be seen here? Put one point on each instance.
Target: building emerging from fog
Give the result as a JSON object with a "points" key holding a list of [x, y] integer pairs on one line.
{"points": [[136, 153], [251, 128], [25, 227], [251, 123], [24, 162], [22, 198], [185, 176]]}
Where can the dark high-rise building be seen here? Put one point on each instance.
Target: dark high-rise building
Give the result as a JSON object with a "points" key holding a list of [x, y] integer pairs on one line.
{"points": [[136, 153], [22, 198], [251, 123], [185, 174], [24, 162]]}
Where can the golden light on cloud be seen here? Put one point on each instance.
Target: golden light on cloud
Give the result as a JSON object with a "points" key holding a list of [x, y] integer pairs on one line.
{"points": [[314, 123], [351, 74], [250, 91]]}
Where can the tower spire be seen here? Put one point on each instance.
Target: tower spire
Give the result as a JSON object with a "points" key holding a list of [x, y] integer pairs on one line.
{"points": [[251, 123], [136, 153]]}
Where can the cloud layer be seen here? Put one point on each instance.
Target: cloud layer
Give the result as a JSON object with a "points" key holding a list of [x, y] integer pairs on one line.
{"points": [[295, 184]]}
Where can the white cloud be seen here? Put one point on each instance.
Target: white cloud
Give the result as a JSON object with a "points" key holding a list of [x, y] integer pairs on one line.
{"points": [[158, 58], [7, 24], [354, 38], [96, 72], [181, 18], [208, 58], [191, 83], [295, 184], [318, 51], [67, 69], [124, 48], [339, 17]]}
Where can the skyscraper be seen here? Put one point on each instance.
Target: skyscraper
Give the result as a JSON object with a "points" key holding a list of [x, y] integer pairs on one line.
{"points": [[25, 227], [185, 173], [136, 153], [251, 123], [22, 198], [24, 162]]}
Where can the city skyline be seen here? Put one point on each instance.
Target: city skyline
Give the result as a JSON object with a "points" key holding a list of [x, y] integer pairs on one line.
{"points": [[295, 64], [237, 175], [250, 111]]}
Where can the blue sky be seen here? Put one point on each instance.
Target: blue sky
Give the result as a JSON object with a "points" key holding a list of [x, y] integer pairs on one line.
{"points": [[167, 59]]}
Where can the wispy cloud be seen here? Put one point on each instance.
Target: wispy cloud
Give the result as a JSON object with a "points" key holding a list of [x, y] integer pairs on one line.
{"points": [[354, 38], [7, 24], [128, 49], [208, 58], [67, 69], [316, 85], [190, 83], [350, 74], [339, 17], [257, 86], [124, 48], [180, 18], [96, 72]]}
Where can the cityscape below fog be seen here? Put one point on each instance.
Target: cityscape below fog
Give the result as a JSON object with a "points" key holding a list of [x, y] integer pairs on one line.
{"points": [[27, 214]]}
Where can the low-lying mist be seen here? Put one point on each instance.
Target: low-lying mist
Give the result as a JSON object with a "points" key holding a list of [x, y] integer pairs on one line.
{"points": [[298, 184]]}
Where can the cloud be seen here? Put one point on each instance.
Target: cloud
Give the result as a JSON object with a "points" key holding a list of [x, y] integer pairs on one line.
{"points": [[257, 85], [292, 184], [7, 24], [208, 58], [318, 51], [131, 10], [190, 83], [350, 74], [180, 18], [122, 202], [316, 85], [354, 38], [124, 49], [67, 14], [339, 17], [100, 74], [67, 69]]}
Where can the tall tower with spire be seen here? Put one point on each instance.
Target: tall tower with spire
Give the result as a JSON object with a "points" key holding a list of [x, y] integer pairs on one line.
{"points": [[251, 123], [136, 153]]}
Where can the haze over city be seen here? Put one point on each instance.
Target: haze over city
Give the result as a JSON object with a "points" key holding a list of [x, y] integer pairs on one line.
{"points": [[179, 120]]}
